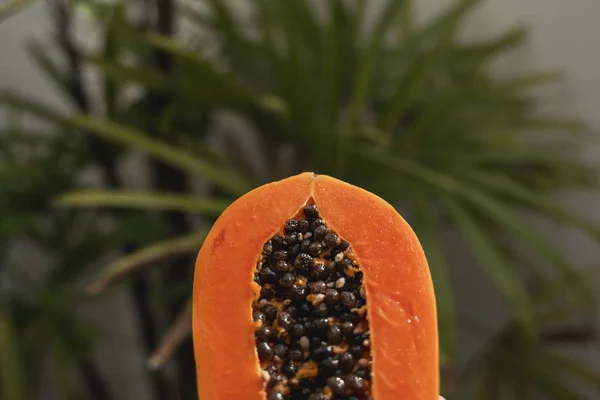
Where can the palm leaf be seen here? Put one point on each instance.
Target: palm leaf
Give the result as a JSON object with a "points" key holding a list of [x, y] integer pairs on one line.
{"points": [[366, 68], [405, 19], [223, 19], [529, 81], [292, 52], [219, 175], [483, 51], [111, 51], [553, 387], [331, 84], [292, 25], [528, 367], [244, 54], [570, 125], [33, 107], [148, 77], [515, 226], [203, 94], [437, 113], [52, 71], [268, 45], [13, 374], [429, 233], [576, 370], [509, 284], [147, 256], [555, 306], [504, 186], [143, 200], [201, 71], [307, 24], [404, 166], [417, 75], [421, 39]]}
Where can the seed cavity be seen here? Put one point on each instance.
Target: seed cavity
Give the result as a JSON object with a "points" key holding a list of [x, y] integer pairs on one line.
{"points": [[310, 319]]}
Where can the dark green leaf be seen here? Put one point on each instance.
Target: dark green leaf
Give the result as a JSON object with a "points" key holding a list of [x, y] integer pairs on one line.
{"points": [[52, 71], [13, 374], [517, 227], [111, 52], [246, 58], [200, 70], [555, 305], [31, 106], [555, 124], [177, 157], [331, 59], [143, 200], [554, 387], [291, 25], [306, 21], [565, 367], [539, 202], [509, 283], [420, 72], [98, 10], [485, 50], [148, 77], [365, 74], [525, 82], [405, 19], [437, 113], [412, 169], [429, 231]]}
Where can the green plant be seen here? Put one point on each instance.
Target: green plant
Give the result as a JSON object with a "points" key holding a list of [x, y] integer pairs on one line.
{"points": [[408, 112], [38, 318]]}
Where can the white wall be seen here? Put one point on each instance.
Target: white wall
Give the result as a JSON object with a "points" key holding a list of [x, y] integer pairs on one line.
{"points": [[564, 35]]}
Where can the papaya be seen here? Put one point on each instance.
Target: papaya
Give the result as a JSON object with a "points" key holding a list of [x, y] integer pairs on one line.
{"points": [[312, 288]]}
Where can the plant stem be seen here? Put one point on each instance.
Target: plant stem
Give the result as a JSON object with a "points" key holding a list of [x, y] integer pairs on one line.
{"points": [[100, 150]]}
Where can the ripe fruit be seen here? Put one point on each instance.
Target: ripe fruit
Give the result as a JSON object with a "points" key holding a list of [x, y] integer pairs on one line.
{"points": [[313, 288]]}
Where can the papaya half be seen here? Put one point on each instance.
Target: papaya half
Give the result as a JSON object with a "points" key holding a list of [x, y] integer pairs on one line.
{"points": [[311, 288]]}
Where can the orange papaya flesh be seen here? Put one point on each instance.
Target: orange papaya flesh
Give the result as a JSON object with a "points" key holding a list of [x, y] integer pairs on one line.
{"points": [[311, 288]]}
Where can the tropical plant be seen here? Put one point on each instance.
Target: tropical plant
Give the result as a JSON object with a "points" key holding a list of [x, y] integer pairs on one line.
{"points": [[38, 318], [409, 112]]}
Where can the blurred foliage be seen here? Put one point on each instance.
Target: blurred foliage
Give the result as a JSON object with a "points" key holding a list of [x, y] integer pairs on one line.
{"points": [[11, 7], [409, 112]]}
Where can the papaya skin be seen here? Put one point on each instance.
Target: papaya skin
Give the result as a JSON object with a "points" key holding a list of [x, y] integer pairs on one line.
{"points": [[397, 282]]}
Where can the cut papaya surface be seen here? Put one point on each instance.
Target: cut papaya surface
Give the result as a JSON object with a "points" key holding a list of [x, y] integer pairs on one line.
{"points": [[311, 288]]}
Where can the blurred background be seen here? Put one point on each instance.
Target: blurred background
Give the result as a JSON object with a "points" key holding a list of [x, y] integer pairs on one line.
{"points": [[126, 127]]}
